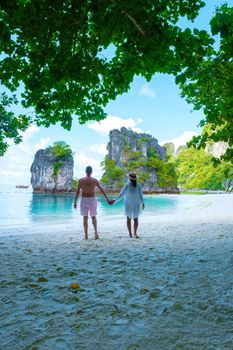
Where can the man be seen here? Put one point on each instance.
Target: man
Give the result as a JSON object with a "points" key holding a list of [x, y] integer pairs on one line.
{"points": [[88, 202]]}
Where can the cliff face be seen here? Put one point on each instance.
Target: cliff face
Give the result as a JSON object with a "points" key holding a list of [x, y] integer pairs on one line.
{"points": [[119, 139], [216, 149], [131, 151], [44, 177]]}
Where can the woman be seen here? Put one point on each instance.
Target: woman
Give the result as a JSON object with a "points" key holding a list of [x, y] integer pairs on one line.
{"points": [[133, 201]]}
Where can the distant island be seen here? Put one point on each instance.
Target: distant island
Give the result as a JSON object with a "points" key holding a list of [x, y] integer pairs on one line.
{"points": [[22, 186], [52, 169], [140, 152], [160, 169]]}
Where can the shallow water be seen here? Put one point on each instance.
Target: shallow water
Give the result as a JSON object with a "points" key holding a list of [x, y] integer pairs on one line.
{"points": [[22, 207]]}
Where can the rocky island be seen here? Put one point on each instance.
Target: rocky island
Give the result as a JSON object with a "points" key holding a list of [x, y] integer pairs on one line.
{"points": [[52, 169], [140, 152]]}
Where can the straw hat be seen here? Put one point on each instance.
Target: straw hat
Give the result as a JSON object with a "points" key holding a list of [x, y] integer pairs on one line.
{"points": [[132, 176]]}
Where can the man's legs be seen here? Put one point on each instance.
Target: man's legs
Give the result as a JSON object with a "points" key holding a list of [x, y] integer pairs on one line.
{"points": [[129, 226], [85, 226], [135, 227], [94, 223]]}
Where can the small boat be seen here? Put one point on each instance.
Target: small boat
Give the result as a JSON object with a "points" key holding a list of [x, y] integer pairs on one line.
{"points": [[22, 186]]}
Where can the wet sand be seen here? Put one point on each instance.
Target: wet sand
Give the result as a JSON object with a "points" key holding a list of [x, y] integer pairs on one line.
{"points": [[171, 289]]}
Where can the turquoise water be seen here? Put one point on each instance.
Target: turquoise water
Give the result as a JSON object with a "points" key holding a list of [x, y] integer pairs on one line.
{"points": [[22, 207]]}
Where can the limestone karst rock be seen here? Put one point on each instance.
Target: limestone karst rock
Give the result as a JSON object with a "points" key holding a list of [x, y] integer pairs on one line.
{"points": [[43, 178], [122, 146], [118, 139]]}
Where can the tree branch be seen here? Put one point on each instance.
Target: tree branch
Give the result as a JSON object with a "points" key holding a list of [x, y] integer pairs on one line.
{"points": [[134, 22]]}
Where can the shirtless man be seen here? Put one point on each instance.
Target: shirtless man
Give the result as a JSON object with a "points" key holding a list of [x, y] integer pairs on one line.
{"points": [[88, 202]]}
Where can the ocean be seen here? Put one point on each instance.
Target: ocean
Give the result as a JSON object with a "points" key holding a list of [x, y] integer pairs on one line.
{"points": [[21, 207]]}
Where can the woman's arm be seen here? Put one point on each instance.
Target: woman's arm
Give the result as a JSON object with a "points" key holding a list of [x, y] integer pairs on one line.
{"points": [[141, 196], [121, 194]]}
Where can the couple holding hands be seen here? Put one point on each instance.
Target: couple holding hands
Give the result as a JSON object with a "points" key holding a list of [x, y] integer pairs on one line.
{"points": [[131, 193]]}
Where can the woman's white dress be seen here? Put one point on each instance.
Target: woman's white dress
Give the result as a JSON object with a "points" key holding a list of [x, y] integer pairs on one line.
{"points": [[133, 199]]}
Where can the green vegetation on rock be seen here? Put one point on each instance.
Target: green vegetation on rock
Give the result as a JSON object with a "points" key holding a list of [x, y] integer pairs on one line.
{"points": [[75, 183], [56, 169], [112, 172], [164, 170], [190, 169], [195, 170], [61, 151], [144, 166]]}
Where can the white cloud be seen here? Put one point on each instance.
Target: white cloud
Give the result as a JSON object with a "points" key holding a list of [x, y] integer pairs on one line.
{"points": [[16, 159], [99, 149], [114, 122], [10, 173], [182, 139], [43, 143], [26, 149], [146, 90], [16, 163], [32, 130], [27, 135], [81, 161]]}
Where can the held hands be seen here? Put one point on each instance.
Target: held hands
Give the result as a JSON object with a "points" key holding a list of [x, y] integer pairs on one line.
{"points": [[143, 206], [110, 202]]}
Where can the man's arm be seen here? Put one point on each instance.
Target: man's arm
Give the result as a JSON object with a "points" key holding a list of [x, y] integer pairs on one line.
{"points": [[76, 195], [102, 191]]}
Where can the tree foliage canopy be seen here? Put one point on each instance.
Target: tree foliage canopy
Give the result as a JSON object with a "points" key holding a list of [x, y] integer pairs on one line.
{"points": [[10, 125], [209, 86], [54, 51]]}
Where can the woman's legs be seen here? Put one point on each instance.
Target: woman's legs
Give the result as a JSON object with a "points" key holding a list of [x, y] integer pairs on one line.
{"points": [[135, 227], [129, 226]]}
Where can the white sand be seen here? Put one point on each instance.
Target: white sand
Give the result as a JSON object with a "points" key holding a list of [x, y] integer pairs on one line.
{"points": [[172, 289]]}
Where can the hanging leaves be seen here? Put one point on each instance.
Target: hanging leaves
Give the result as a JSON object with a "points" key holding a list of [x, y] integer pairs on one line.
{"points": [[55, 51]]}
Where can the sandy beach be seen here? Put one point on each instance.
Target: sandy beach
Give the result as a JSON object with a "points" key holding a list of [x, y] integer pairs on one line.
{"points": [[171, 289]]}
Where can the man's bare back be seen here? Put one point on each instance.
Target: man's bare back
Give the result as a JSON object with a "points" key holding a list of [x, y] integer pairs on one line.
{"points": [[88, 185]]}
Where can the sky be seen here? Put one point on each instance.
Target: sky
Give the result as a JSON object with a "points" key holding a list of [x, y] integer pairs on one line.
{"points": [[155, 108]]}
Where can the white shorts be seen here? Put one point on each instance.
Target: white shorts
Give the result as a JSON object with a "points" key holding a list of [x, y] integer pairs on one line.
{"points": [[88, 205]]}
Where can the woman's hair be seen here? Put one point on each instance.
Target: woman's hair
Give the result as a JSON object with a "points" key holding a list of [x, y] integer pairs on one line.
{"points": [[133, 182], [133, 179]]}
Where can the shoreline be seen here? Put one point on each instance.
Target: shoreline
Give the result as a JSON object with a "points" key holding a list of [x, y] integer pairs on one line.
{"points": [[67, 193], [111, 223], [37, 216]]}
